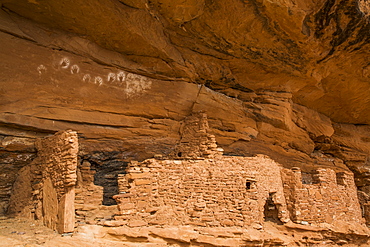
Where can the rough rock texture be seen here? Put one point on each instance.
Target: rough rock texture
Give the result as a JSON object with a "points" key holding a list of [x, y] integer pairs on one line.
{"points": [[195, 140], [234, 191], [202, 192], [314, 48], [22, 232], [324, 196], [45, 189], [288, 79], [187, 199]]}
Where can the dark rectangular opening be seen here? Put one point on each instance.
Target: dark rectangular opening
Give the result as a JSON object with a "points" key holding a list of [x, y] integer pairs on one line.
{"points": [[250, 183], [341, 178]]}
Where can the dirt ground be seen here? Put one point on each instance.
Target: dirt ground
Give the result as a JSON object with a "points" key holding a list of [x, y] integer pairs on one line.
{"points": [[16, 232]]}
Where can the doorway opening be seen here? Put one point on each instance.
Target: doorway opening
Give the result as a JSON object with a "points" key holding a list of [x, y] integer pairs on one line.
{"points": [[271, 211]]}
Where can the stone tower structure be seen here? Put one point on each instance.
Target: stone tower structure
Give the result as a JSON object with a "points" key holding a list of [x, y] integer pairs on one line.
{"points": [[196, 141]]}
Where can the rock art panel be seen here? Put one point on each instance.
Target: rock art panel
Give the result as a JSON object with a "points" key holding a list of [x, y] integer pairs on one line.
{"points": [[132, 84]]}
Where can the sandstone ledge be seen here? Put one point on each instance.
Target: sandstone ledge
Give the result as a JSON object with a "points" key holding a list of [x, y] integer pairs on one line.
{"points": [[271, 235]]}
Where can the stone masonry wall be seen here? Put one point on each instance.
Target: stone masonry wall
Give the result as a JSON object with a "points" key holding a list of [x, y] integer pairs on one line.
{"points": [[57, 159], [328, 197], [46, 188], [227, 191], [89, 196], [195, 140], [364, 200]]}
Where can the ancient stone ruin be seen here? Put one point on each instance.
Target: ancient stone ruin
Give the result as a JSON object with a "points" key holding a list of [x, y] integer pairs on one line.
{"points": [[45, 189], [327, 197], [195, 140], [232, 191], [185, 123], [224, 191], [211, 190], [199, 188]]}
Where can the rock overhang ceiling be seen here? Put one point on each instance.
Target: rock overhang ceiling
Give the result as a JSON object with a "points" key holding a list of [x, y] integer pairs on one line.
{"points": [[288, 79], [315, 49]]}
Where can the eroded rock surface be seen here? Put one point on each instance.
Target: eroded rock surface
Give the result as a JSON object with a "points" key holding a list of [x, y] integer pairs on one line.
{"points": [[288, 79], [316, 49]]}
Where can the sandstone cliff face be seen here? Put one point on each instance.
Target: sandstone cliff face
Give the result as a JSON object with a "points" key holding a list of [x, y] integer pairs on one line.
{"points": [[284, 78], [314, 48]]}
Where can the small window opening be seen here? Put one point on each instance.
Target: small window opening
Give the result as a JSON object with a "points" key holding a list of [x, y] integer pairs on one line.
{"points": [[307, 178], [179, 154], [250, 184]]}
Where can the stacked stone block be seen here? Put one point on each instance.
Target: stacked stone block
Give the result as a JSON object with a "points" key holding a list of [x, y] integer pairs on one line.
{"points": [[330, 197], [209, 192], [195, 141], [88, 195], [233, 191], [49, 183], [57, 159]]}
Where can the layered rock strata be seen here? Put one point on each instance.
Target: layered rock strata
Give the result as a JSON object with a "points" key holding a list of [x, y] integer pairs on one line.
{"points": [[280, 78]]}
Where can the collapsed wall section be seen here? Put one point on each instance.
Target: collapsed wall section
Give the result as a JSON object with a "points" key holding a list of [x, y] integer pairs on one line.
{"points": [[45, 189], [227, 191]]}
